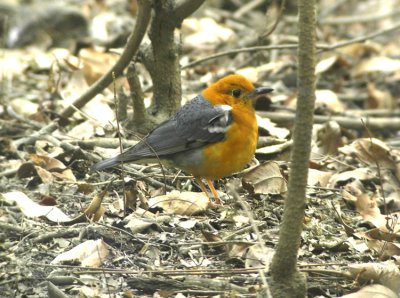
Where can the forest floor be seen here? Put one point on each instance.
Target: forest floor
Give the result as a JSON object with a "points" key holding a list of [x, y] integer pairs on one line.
{"points": [[67, 231]]}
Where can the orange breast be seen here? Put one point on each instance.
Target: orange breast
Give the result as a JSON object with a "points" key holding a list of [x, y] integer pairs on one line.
{"points": [[231, 155]]}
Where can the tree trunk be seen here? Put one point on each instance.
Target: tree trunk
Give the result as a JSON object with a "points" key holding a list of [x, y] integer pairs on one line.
{"points": [[161, 58], [286, 280]]}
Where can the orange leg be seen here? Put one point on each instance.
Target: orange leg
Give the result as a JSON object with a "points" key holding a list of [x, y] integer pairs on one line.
{"points": [[214, 192], [211, 186], [202, 186]]}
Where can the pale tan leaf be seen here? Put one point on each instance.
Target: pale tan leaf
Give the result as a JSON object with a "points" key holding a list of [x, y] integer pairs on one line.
{"points": [[97, 108], [384, 249], [238, 250], [259, 256], [385, 273], [66, 175], [372, 152], [96, 63], [358, 245], [95, 210], [274, 149], [380, 64], [378, 99], [372, 291], [139, 225], [265, 179], [360, 174], [325, 64], [331, 63], [320, 178], [32, 209], [271, 128], [325, 99], [326, 139], [183, 203], [90, 253], [46, 162], [24, 107], [197, 32], [328, 99]]}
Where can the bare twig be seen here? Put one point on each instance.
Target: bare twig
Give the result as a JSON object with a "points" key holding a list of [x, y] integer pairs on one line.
{"points": [[241, 50], [361, 38], [320, 47], [354, 123], [278, 19]]}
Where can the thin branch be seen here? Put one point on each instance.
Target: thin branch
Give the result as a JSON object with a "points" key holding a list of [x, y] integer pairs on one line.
{"points": [[278, 19], [372, 35], [321, 47], [241, 50], [382, 123]]}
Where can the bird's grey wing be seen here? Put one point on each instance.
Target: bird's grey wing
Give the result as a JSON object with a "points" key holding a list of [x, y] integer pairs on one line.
{"points": [[195, 124]]}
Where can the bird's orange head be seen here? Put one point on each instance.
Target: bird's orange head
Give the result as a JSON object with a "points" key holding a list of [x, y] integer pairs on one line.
{"points": [[234, 90]]}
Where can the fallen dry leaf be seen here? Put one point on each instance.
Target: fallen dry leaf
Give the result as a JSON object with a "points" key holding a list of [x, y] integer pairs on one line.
{"points": [[24, 107], [325, 64], [271, 128], [343, 178], [385, 250], [372, 291], [183, 203], [371, 151], [318, 178], [46, 162], [359, 50], [140, 225], [90, 253], [385, 273], [325, 99], [328, 99], [47, 166], [275, 149], [378, 99], [239, 249], [197, 32], [326, 139], [380, 64], [259, 255], [265, 179], [32, 209], [95, 63], [97, 108]]}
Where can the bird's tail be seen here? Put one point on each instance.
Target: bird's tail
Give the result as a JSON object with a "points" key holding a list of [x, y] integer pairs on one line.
{"points": [[105, 164]]}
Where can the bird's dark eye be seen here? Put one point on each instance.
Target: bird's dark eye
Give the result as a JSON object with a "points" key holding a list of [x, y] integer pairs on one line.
{"points": [[236, 93]]}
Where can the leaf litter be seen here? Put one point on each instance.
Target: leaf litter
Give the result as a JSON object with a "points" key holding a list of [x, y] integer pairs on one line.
{"points": [[56, 221]]}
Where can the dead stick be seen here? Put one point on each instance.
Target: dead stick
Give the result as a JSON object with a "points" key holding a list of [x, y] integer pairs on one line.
{"points": [[353, 123]]}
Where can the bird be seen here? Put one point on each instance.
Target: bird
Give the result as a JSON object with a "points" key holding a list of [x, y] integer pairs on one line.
{"points": [[211, 136]]}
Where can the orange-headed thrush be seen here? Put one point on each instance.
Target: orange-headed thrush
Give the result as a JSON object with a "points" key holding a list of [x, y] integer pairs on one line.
{"points": [[212, 136]]}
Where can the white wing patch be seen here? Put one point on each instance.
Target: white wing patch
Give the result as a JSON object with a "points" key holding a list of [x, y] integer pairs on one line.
{"points": [[222, 123]]}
